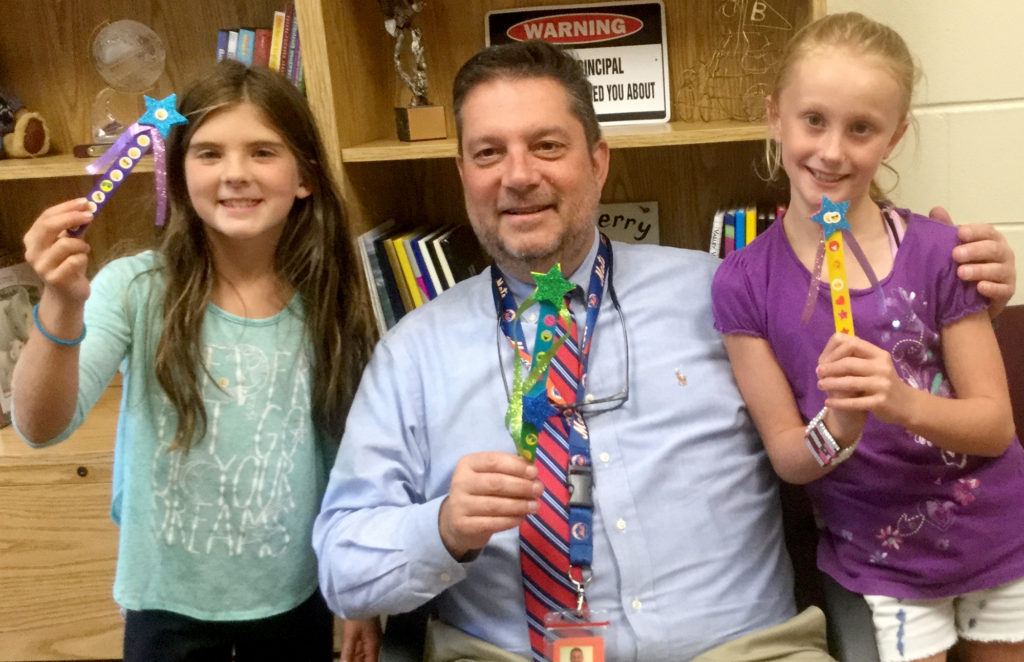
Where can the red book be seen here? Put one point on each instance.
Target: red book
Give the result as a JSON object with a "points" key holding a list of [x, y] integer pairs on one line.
{"points": [[261, 48]]}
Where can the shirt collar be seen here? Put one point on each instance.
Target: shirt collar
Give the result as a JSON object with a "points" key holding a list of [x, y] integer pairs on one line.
{"points": [[581, 277]]}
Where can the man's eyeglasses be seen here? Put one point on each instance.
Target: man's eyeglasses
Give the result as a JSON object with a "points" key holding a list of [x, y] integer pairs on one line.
{"points": [[589, 404]]}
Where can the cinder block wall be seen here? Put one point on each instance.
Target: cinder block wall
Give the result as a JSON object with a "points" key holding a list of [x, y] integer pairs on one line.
{"points": [[967, 153]]}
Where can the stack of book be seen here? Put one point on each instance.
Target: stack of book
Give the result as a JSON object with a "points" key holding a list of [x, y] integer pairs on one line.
{"points": [[735, 227], [406, 268], [276, 47]]}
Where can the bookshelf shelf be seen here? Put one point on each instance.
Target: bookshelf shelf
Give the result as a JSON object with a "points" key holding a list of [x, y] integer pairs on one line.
{"points": [[672, 134], [56, 166]]}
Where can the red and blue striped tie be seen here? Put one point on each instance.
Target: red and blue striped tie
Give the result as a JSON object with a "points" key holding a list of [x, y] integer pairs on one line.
{"points": [[544, 537]]}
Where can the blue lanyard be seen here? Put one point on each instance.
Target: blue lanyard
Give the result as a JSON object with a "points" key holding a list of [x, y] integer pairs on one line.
{"points": [[579, 472]]}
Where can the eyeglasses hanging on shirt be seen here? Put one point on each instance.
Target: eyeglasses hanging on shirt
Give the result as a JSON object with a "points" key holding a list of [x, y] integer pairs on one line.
{"points": [[589, 403]]}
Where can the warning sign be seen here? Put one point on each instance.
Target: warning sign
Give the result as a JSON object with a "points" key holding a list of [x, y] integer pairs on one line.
{"points": [[621, 47]]}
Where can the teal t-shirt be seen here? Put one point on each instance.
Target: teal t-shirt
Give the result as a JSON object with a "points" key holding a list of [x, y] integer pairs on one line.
{"points": [[221, 532]]}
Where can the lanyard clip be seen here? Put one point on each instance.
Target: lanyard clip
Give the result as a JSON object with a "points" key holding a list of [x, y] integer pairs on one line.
{"points": [[586, 574]]}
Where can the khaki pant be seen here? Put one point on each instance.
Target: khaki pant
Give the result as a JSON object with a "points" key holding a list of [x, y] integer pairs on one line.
{"points": [[800, 639]]}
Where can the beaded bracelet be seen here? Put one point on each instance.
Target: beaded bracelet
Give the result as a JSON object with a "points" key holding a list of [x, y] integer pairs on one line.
{"points": [[53, 338], [823, 446]]}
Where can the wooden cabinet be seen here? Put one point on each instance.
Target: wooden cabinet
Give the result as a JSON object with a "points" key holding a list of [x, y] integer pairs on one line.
{"points": [[57, 546]]}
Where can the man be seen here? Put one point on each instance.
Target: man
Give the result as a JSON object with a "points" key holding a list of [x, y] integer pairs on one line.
{"points": [[427, 495]]}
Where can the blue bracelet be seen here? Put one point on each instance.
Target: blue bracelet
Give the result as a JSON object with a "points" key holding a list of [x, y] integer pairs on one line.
{"points": [[53, 338]]}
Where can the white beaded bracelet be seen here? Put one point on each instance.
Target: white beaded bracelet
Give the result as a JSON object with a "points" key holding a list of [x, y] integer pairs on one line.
{"points": [[823, 446]]}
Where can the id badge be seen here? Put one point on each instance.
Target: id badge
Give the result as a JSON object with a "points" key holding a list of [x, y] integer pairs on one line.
{"points": [[575, 636]]}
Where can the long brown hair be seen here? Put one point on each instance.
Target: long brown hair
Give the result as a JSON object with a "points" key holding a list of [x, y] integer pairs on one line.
{"points": [[315, 255]]}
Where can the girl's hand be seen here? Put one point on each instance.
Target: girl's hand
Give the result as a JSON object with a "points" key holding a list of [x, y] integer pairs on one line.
{"points": [[360, 640], [860, 377], [58, 258]]}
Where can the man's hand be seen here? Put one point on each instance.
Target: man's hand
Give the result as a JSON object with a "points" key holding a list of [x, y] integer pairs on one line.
{"points": [[490, 492], [986, 258], [360, 640]]}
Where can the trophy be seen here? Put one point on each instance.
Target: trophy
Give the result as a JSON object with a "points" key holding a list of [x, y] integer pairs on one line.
{"points": [[419, 120], [130, 58]]}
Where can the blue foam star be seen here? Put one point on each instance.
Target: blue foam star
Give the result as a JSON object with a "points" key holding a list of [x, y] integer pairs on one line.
{"points": [[832, 216], [162, 114], [537, 408]]}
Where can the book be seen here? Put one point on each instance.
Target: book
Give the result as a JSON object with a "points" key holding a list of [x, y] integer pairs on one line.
{"points": [[276, 39], [222, 44], [286, 32], [390, 284], [409, 243], [444, 272], [751, 219], [421, 270], [373, 270], [406, 270], [740, 216], [432, 277], [729, 245], [465, 257], [246, 42], [632, 222], [20, 289], [291, 42], [232, 51], [397, 274], [261, 47], [717, 226]]}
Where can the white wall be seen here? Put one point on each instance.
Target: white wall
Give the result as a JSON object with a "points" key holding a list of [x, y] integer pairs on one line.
{"points": [[968, 152]]}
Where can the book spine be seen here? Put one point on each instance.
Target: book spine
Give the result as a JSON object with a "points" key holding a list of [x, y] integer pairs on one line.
{"points": [[740, 235], [391, 250], [365, 246], [222, 44], [276, 39], [293, 47], [261, 47], [715, 246], [730, 232], [751, 224], [232, 51], [246, 42], [286, 32], [402, 251]]}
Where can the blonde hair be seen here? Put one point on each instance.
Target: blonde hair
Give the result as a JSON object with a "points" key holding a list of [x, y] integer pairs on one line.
{"points": [[862, 36]]}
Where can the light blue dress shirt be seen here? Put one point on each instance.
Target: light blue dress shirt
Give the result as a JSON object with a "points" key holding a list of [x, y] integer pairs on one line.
{"points": [[688, 545]]}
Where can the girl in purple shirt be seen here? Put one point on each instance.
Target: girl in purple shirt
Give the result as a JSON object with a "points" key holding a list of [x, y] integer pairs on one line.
{"points": [[903, 432]]}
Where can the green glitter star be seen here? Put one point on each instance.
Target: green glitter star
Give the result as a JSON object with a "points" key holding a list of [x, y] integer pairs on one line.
{"points": [[552, 286]]}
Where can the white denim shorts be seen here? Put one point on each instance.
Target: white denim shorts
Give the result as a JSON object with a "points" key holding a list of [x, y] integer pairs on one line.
{"points": [[913, 629]]}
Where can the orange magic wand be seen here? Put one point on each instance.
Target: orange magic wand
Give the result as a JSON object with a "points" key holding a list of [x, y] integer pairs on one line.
{"points": [[832, 219]]}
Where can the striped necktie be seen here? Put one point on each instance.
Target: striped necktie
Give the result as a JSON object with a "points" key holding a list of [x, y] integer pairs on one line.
{"points": [[544, 536]]}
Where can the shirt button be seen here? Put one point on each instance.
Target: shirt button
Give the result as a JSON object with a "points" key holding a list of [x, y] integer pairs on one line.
{"points": [[605, 457], [636, 604], [589, 397], [445, 577], [621, 524], [223, 382], [530, 317]]}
